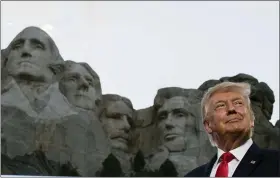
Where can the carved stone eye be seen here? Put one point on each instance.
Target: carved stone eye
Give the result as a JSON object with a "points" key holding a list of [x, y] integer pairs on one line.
{"points": [[161, 117], [73, 78], [180, 114], [38, 46], [16, 46], [116, 116]]}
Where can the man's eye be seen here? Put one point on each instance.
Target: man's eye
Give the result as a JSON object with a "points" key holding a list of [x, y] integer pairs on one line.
{"points": [[39, 46], [116, 116], [180, 114], [16, 46], [220, 106], [72, 78], [161, 117], [238, 103]]}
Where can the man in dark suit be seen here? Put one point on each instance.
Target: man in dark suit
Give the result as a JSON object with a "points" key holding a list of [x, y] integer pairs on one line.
{"points": [[229, 121]]}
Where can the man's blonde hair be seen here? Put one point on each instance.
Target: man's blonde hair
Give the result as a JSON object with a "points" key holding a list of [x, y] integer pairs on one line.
{"points": [[243, 88]]}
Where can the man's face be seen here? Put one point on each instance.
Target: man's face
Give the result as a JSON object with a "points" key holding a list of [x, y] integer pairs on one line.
{"points": [[173, 121], [228, 113], [79, 87], [30, 55], [117, 121]]}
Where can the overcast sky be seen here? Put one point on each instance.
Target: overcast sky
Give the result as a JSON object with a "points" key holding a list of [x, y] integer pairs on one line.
{"points": [[138, 47]]}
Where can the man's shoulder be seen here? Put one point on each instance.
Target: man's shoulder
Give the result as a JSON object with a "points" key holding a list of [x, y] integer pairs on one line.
{"points": [[197, 172], [270, 151], [271, 154], [270, 163]]}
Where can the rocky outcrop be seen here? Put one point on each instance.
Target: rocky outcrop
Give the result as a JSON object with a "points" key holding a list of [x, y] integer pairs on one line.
{"points": [[36, 114], [35, 164], [56, 120]]}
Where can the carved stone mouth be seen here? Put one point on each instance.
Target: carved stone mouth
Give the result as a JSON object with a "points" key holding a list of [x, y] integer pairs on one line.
{"points": [[82, 95], [170, 136], [121, 139], [26, 62]]}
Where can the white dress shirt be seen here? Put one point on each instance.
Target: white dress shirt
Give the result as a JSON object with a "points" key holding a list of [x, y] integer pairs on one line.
{"points": [[238, 153]]}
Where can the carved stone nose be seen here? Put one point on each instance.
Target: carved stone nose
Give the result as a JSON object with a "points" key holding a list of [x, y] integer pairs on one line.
{"points": [[84, 84], [25, 54]]}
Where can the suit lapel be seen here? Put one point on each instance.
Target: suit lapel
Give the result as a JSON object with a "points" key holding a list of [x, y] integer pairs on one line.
{"points": [[249, 162], [209, 166]]}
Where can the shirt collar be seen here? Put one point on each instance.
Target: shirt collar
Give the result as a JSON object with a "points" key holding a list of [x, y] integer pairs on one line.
{"points": [[238, 152]]}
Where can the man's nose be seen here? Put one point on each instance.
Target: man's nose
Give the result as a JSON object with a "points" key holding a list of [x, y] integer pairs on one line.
{"points": [[25, 54], [26, 51], [169, 122], [126, 125], [84, 84], [231, 109]]}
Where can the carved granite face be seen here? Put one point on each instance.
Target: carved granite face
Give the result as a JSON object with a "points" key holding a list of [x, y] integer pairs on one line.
{"points": [[30, 55], [117, 121], [173, 120], [79, 87]]}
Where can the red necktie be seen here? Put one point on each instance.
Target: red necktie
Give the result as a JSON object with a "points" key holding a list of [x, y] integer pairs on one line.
{"points": [[222, 170]]}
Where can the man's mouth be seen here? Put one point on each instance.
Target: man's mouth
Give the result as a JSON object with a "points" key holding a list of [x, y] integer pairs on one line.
{"points": [[233, 120], [170, 136], [27, 63], [82, 95], [123, 139]]}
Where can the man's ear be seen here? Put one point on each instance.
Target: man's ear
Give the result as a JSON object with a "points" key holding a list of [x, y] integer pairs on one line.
{"points": [[252, 118], [207, 126], [252, 124]]}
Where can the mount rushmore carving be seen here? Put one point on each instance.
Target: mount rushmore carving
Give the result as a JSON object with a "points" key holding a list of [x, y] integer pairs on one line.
{"points": [[57, 121]]}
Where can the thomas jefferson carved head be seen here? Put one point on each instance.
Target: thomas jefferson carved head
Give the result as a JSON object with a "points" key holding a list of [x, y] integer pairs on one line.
{"points": [[81, 85]]}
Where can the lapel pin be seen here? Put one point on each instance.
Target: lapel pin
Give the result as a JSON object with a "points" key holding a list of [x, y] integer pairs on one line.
{"points": [[253, 162]]}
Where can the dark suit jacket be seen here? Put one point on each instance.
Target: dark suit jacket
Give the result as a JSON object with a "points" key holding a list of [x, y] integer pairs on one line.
{"points": [[256, 163]]}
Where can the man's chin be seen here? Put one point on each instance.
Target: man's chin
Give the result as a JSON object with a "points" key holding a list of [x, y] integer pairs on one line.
{"points": [[25, 71], [83, 104], [119, 146], [28, 68], [239, 131], [176, 144], [234, 121]]}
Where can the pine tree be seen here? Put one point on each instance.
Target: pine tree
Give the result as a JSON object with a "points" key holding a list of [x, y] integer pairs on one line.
{"points": [[111, 167], [167, 169], [139, 162]]}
